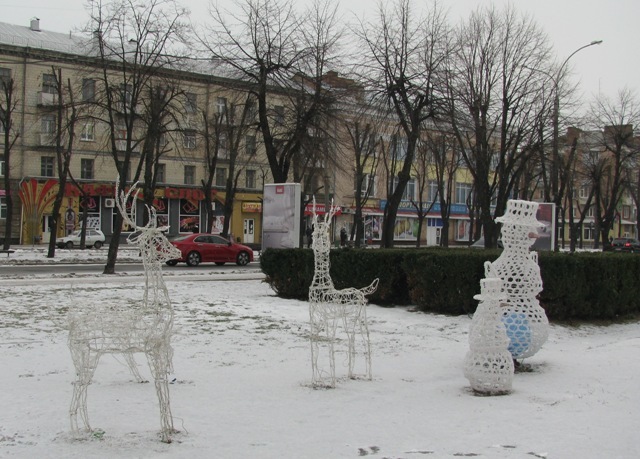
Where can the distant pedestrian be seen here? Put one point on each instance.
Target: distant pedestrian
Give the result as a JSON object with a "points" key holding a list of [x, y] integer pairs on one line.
{"points": [[310, 235], [343, 237]]}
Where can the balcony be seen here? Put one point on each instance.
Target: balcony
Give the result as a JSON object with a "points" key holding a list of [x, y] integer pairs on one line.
{"points": [[47, 99], [47, 139], [121, 145]]}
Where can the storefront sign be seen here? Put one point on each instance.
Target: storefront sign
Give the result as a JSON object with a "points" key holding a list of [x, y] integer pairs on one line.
{"points": [[455, 209], [252, 207], [108, 190]]}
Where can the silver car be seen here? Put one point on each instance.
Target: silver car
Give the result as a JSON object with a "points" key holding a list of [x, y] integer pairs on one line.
{"points": [[94, 238]]}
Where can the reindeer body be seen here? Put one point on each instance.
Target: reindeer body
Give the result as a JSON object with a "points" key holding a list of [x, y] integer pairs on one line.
{"points": [[329, 308], [146, 327]]}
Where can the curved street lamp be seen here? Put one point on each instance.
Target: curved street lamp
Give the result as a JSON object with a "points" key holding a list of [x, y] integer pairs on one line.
{"points": [[556, 121]]}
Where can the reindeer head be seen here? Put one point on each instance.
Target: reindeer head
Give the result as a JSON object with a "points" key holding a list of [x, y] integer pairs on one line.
{"points": [[150, 239], [321, 228]]}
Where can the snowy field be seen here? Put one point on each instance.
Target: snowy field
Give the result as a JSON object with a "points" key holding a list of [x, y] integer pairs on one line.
{"points": [[242, 382]]}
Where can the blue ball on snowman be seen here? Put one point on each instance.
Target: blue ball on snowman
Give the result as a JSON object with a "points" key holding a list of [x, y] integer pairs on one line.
{"points": [[518, 331]]}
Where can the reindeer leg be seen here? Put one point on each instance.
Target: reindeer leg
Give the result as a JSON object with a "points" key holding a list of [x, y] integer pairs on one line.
{"points": [[331, 326], [364, 334], [159, 364], [313, 340], [85, 364], [349, 324], [133, 367]]}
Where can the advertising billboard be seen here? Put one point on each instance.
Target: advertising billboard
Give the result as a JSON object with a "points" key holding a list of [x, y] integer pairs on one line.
{"points": [[547, 215], [281, 216]]}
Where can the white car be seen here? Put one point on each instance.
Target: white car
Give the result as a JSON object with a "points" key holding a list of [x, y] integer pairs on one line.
{"points": [[94, 238]]}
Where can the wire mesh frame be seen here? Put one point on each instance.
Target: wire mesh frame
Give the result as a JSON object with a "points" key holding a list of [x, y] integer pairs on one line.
{"points": [[488, 364], [95, 330], [525, 320], [330, 309]]}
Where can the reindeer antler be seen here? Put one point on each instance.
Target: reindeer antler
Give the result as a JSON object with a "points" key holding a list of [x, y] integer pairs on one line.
{"points": [[121, 202], [329, 214]]}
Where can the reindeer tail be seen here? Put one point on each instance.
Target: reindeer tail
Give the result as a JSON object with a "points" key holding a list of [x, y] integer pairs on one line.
{"points": [[371, 288]]}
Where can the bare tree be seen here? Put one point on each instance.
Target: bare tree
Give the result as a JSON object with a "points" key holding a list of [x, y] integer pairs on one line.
{"points": [[403, 61], [494, 113], [134, 41], [8, 105], [239, 122], [618, 153], [363, 128], [280, 58], [445, 160], [160, 110], [66, 120], [420, 201]]}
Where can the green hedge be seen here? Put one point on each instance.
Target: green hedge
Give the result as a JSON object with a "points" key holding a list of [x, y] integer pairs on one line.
{"points": [[576, 286]]}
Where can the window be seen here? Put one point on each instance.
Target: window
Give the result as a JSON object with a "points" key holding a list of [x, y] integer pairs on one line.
{"points": [[191, 105], [399, 146], [223, 151], [1, 165], [87, 133], [590, 211], [626, 212], [3, 208], [161, 170], [86, 168], [463, 192], [409, 190], [189, 140], [279, 109], [48, 130], [221, 176], [432, 190], [250, 145], [5, 77], [189, 175], [46, 166], [221, 105], [49, 84], [125, 94], [368, 183], [250, 178], [252, 113], [48, 124], [584, 191], [589, 233], [88, 90]]}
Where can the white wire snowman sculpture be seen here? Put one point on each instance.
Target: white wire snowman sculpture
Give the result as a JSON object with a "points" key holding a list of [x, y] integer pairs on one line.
{"points": [[526, 323], [489, 365]]}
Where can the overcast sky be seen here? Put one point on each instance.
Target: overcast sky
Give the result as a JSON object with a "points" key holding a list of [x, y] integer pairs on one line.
{"points": [[570, 24]]}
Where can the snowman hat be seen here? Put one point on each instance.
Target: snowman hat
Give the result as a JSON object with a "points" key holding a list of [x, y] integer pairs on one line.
{"points": [[522, 213], [491, 289]]}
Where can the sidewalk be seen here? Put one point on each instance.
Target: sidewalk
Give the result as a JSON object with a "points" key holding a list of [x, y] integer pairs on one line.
{"points": [[37, 254]]}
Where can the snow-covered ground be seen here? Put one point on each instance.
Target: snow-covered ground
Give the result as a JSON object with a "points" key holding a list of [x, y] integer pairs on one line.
{"points": [[242, 382]]}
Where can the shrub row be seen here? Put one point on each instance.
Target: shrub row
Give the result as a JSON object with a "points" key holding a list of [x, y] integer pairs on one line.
{"points": [[582, 286]]}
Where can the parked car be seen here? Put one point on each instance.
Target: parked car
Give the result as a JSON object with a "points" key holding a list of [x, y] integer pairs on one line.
{"points": [[479, 244], [94, 238], [202, 247], [625, 244]]}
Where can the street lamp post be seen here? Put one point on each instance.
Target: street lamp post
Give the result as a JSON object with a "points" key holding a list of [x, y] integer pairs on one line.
{"points": [[557, 198]]}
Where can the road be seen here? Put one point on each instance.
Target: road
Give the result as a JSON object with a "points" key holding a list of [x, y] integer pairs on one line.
{"points": [[98, 268]]}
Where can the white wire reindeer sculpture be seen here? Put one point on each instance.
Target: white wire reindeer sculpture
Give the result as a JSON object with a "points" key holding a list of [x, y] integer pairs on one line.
{"points": [[328, 308], [145, 327]]}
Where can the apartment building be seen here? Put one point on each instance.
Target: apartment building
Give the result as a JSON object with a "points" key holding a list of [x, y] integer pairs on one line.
{"points": [[40, 62], [37, 61]]}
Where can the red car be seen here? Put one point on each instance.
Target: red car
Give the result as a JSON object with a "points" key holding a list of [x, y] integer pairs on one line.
{"points": [[203, 247]]}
